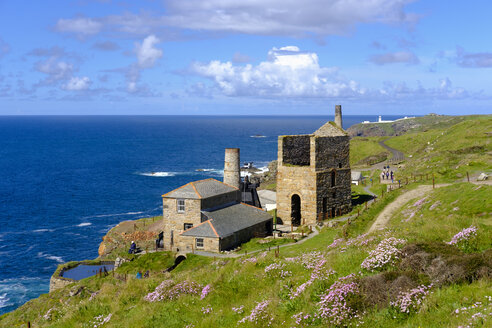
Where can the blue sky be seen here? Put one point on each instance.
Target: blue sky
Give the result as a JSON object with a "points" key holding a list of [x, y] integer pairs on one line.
{"points": [[277, 57]]}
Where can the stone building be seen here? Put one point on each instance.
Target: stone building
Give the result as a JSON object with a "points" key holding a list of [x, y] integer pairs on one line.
{"points": [[209, 215], [313, 178]]}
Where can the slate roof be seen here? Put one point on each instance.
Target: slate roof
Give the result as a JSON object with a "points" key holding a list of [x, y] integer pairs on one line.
{"points": [[329, 129], [200, 189], [356, 175], [227, 220]]}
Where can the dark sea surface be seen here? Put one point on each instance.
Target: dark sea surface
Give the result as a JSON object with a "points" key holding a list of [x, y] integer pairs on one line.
{"points": [[66, 180]]}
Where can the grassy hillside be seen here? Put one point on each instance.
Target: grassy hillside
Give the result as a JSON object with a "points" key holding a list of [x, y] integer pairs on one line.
{"points": [[417, 124], [323, 281], [365, 151], [448, 153]]}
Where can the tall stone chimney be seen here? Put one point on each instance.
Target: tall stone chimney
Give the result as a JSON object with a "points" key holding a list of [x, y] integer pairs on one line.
{"points": [[231, 167], [338, 116]]}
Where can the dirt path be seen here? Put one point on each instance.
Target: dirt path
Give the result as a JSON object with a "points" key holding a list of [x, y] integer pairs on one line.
{"points": [[397, 156], [383, 217]]}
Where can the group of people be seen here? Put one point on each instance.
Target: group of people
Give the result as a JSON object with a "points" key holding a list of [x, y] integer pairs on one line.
{"points": [[387, 174]]}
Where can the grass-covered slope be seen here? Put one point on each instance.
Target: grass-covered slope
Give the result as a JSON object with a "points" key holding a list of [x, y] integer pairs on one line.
{"points": [[451, 152], [366, 151], [331, 279]]}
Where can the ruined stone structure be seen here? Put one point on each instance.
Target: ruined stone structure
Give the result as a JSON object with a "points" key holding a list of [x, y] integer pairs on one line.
{"points": [[313, 178]]}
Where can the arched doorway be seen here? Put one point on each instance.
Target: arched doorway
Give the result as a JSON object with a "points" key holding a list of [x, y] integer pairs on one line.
{"points": [[295, 212]]}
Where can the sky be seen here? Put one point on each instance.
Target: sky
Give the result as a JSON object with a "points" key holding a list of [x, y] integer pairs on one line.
{"points": [[248, 57]]}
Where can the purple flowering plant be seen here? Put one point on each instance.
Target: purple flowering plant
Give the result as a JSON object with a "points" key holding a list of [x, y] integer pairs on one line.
{"points": [[259, 315], [385, 254], [168, 290], [409, 302], [466, 239], [336, 306]]}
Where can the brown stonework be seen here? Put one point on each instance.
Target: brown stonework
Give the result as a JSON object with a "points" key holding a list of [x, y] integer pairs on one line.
{"points": [[174, 221], [322, 183]]}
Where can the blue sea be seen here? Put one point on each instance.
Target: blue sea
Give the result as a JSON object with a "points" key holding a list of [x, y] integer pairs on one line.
{"points": [[66, 180]]}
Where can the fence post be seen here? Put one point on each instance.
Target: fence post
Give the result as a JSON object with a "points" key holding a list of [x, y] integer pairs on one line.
{"points": [[433, 185], [467, 176]]}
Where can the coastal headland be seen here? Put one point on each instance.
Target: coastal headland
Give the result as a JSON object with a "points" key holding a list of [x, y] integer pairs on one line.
{"points": [[434, 241]]}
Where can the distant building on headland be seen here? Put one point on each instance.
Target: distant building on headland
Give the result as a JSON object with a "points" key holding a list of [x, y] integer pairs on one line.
{"points": [[385, 121], [313, 177]]}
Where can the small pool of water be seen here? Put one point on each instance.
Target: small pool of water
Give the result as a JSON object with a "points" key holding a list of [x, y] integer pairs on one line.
{"points": [[82, 271]]}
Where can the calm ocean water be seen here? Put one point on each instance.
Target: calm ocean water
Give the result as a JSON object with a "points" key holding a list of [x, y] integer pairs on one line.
{"points": [[65, 180]]}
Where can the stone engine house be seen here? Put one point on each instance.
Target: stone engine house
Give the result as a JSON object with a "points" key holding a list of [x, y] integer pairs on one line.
{"points": [[313, 178], [209, 215]]}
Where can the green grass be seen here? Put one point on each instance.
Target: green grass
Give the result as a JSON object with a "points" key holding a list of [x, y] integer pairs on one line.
{"points": [[254, 244], [362, 149], [455, 207], [157, 261], [449, 153], [237, 283]]}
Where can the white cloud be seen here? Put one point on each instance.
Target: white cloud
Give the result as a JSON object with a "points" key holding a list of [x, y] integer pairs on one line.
{"points": [[296, 18], [283, 17], [473, 60], [55, 69], [291, 73], [81, 26], [77, 84], [288, 72], [395, 57], [147, 54]]}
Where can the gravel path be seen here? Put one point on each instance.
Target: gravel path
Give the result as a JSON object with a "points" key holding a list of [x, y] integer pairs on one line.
{"points": [[384, 217]]}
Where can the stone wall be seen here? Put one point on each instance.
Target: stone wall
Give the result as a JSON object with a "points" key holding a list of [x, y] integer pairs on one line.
{"points": [[59, 282], [332, 152], [295, 150], [299, 180], [174, 221], [187, 244], [333, 199]]}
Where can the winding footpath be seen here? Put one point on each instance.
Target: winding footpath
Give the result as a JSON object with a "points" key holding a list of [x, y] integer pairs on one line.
{"points": [[383, 218], [397, 156]]}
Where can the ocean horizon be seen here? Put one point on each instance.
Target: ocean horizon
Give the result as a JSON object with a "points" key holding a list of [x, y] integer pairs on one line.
{"points": [[65, 180]]}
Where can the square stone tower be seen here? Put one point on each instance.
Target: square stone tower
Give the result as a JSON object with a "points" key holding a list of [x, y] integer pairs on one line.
{"points": [[313, 178]]}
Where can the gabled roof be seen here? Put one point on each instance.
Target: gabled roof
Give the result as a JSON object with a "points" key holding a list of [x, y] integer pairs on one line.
{"points": [[200, 189], [225, 221], [204, 229], [330, 129], [355, 175]]}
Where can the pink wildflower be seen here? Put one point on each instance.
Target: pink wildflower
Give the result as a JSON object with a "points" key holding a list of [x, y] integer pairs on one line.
{"points": [[205, 291], [334, 306], [384, 255], [259, 315], [464, 235], [411, 300]]}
